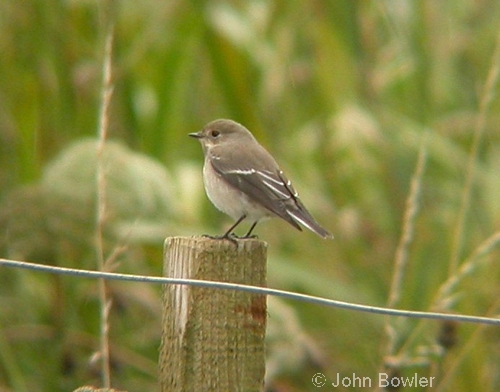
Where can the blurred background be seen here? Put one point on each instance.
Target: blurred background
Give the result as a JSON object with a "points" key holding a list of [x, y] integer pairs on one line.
{"points": [[346, 95]]}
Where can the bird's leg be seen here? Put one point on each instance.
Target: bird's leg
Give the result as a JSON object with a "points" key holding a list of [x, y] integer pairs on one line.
{"points": [[228, 235], [249, 234]]}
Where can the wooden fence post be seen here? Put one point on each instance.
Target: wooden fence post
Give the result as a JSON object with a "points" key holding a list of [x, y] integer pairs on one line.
{"points": [[213, 339]]}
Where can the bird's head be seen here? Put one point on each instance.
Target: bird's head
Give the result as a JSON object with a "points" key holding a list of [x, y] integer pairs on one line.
{"points": [[223, 131]]}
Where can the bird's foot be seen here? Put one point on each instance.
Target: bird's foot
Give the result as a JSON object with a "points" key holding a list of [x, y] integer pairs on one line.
{"points": [[227, 236], [243, 237], [249, 237]]}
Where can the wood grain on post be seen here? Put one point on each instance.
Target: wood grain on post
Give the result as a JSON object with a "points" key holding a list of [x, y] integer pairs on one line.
{"points": [[213, 339]]}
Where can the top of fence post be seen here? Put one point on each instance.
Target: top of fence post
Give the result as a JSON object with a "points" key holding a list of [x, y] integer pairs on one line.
{"points": [[213, 339]]}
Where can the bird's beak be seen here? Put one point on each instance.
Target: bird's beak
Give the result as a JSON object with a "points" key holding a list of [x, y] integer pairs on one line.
{"points": [[197, 135]]}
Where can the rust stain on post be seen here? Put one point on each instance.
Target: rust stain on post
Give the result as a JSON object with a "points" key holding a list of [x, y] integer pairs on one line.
{"points": [[213, 339]]}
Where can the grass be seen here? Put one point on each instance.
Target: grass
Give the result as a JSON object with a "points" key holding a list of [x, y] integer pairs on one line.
{"points": [[342, 93]]}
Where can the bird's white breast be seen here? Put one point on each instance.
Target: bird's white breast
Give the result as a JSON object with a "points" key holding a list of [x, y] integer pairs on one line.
{"points": [[228, 199]]}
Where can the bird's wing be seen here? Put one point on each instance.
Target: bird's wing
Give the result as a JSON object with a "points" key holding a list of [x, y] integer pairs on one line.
{"points": [[258, 176]]}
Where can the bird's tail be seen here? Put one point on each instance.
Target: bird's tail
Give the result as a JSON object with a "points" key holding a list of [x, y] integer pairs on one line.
{"points": [[301, 215]]}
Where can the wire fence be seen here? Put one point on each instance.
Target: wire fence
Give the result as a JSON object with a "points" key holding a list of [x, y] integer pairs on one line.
{"points": [[251, 289]]}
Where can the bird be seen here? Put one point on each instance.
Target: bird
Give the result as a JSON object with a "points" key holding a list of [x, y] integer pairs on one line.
{"points": [[244, 181]]}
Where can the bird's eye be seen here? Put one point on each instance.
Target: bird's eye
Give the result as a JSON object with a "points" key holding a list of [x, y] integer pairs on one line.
{"points": [[214, 133]]}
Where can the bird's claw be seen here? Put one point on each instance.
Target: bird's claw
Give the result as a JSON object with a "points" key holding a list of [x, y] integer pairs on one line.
{"points": [[228, 236]]}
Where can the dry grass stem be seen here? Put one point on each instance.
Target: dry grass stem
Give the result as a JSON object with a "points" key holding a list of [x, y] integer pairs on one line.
{"points": [[470, 175], [454, 366], [401, 255], [446, 291], [107, 91]]}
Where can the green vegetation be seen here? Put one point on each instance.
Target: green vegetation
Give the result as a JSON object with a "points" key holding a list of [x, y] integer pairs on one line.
{"points": [[384, 114]]}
